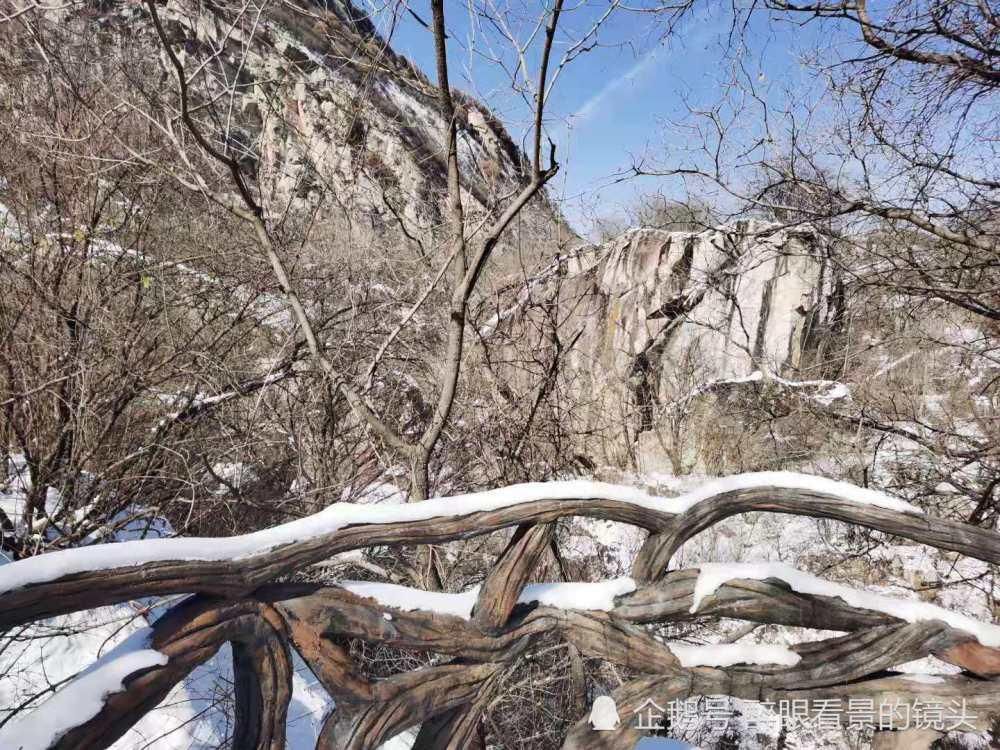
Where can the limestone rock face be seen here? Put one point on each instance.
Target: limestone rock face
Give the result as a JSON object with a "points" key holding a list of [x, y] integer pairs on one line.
{"points": [[664, 316], [322, 111], [743, 297]]}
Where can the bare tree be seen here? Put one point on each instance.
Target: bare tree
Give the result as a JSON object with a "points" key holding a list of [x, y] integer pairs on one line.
{"points": [[895, 162], [469, 258]]}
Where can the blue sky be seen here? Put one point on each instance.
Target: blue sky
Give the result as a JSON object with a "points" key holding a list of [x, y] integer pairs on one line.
{"points": [[619, 101]]}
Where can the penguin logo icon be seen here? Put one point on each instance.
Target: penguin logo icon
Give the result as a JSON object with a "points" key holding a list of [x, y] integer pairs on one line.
{"points": [[604, 714]]}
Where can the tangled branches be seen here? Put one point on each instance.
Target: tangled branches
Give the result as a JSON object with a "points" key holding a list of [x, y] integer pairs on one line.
{"points": [[482, 635]]}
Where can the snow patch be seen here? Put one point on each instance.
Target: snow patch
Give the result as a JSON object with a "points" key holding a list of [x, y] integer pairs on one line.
{"points": [[83, 698], [599, 596], [573, 595], [728, 654], [408, 599]]}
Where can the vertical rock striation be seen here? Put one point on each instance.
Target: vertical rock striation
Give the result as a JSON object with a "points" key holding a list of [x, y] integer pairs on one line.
{"points": [[665, 316]]}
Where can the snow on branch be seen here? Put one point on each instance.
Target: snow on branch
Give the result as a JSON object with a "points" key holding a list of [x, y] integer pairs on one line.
{"points": [[824, 392], [596, 596], [613, 596], [102, 557], [83, 697], [713, 575], [358, 609], [730, 654]]}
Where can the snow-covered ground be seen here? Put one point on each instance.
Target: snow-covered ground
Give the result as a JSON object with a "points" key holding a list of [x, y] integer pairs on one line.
{"points": [[63, 666]]}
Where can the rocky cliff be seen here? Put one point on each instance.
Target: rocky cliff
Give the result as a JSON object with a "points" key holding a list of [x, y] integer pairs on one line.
{"points": [[338, 131], [660, 318], [328, 119]]}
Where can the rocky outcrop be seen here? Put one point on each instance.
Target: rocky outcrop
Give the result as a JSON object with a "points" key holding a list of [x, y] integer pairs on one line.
{"points": [[327, 117], [664, 317], [742, 296]]}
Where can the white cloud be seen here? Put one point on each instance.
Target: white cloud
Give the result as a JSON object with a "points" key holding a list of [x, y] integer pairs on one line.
{"points": [[595, 102]]}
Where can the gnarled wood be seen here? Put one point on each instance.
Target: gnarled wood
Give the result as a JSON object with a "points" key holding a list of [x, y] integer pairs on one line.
{"points": [[262, 683], [401, 702], [770, 601], [189, 635], [238, 577], [142, 693], [503, 585], [306, 622], [866, 652], [448, 700], [595, 633], [459, 728], [652, 560], [602, 636], [973, 656], [981, 700]]}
